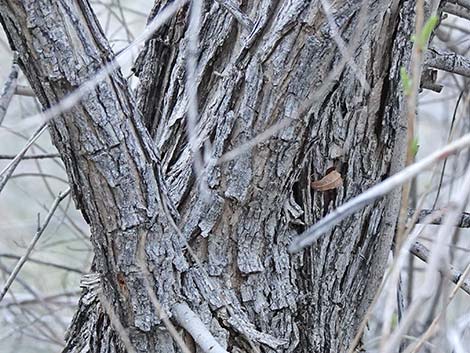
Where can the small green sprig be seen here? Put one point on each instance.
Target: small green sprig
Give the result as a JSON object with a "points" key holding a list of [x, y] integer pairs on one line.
{"points": [[405, 81], [421, 39]]}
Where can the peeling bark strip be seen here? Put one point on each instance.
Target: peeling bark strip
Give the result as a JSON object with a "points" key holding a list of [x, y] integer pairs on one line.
{"points": [[257, 294]]}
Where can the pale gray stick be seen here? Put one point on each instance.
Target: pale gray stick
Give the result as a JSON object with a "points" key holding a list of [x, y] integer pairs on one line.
{"points": [[31, 246], [447, 61], [26, 91], [69, 101], [235, 11], [327, 223], [6, 173], [196, 328], [422, 252], [9, 88]]}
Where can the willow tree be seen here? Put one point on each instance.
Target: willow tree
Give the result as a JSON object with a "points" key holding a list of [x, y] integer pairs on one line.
{"points": [[172, 223]]}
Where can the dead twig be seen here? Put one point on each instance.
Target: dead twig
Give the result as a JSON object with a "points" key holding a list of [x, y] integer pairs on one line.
{"points": [[196, 328], [357, 203], [9, 88], [422, 252], [30, 248], [447, 61]]}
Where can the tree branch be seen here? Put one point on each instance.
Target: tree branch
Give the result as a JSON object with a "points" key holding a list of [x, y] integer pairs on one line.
{"points": [[463, 3], [233, 8], [31, 246], [193, 324], [422, 252], [38, 156], [463, 222], [367, 197], [9, 88], [447, 61], [457, 10]]}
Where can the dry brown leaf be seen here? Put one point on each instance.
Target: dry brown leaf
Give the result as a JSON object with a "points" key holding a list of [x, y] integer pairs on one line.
{"points": [[330, 181]]}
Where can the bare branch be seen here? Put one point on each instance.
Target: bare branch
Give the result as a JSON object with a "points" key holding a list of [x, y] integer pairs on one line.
{"points": [[30, 248], [342, 46], [50, 298], [448, 61], [24, 91], [422, 252], [463, 222], [38, 156], [9, 88], [6, 173], [463, 3], [45, 263], [431, 329], [457, 10], [193, 324], [316, 231], [235, 11]]}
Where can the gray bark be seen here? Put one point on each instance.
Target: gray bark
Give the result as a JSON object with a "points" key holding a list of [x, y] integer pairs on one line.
{"points": [[121, 165]]}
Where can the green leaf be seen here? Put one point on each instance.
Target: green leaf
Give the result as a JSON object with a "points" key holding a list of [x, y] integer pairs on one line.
{"points": [[414, 147], [422, 38], [405, 81]]}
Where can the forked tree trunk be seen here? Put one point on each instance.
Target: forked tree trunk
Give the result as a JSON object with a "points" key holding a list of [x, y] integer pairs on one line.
{"points": [[249, 291]]}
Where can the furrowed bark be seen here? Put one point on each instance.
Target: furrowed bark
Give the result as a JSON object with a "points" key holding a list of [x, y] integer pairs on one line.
{"points": [[257, 294], [264, 198], [109, 159]]}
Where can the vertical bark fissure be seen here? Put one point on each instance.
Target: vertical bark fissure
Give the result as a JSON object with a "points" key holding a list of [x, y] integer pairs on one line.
{"points": [[282, 303]]}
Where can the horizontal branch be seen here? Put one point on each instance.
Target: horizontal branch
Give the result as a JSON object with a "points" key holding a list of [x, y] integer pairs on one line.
{"points": [[196, 328], [457, 10], [45, 263], [24, 91], [463, 3], [447, 61], [463, 221], [422, 252]]}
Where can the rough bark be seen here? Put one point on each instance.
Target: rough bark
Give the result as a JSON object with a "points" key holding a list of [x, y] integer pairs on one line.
{"points": [[256, 293]]}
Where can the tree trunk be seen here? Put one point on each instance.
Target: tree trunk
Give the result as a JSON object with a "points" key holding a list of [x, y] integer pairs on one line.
{"points": [[124, 158]]}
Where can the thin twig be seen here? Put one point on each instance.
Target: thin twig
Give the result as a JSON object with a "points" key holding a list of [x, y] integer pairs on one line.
{"points": [[6, 173], [40, 300], [30, 248], [9, 88], [463, 3], [324, 225], [437, 261], [73, 98], [38, 156], [430, 330], [463, 222], [411, 103], [154, 300], [342, 46], [422, 252], [118, 326], [235, 11], [45, 263]]}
